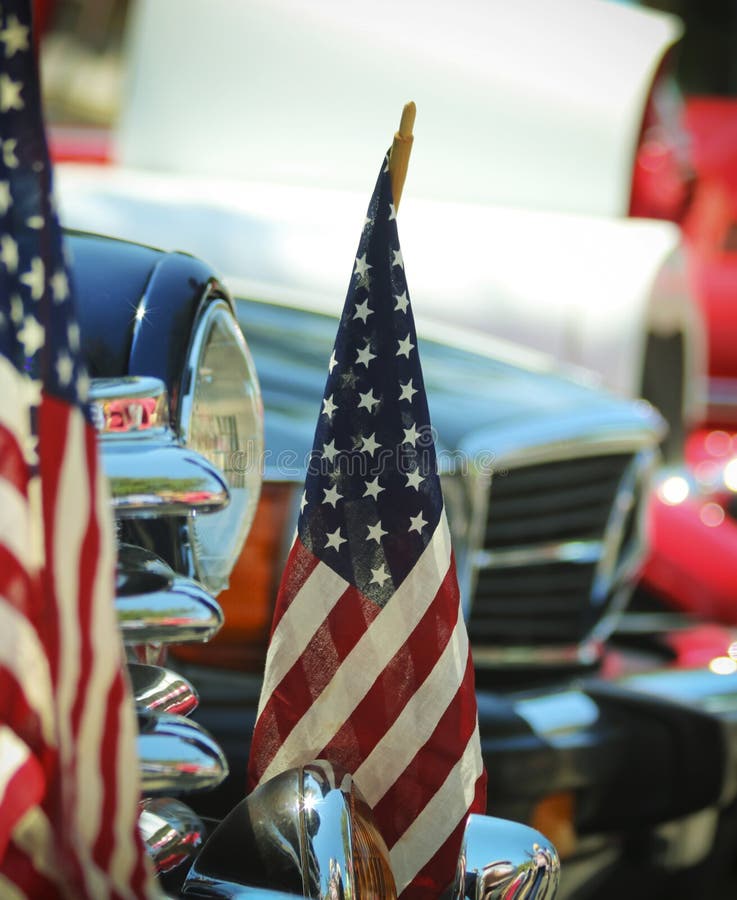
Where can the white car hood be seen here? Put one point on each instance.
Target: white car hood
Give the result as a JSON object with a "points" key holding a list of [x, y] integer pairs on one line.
{"points": [[534, 103], [580, 289]]}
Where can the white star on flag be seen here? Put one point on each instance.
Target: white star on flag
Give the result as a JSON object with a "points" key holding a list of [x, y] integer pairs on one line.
{"points": [[402, 302], [328, 407], [332, 496], [362, 311], [376, 532], [34, 278], [64, 368], [417, 523], [335, 539], [329, 451], [379, 576], [405, 346], [9, 156], [410, 435], [369, 444], [31, 335], [14, 36], [5, 198], [362, 267], [10, 97], [9, 253], [59, 286], [407, 391], [373, 488], [367, 401], [365, 356]]}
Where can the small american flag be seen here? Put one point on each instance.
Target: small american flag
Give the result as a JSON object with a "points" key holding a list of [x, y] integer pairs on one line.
{"points": [[68, 770], [368, 664]]}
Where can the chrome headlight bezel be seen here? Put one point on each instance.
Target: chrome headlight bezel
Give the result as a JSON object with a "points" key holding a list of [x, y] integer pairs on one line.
{"points": [[240, 461]]}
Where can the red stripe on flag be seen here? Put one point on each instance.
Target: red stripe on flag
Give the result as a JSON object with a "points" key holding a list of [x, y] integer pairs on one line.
{"points": [[16, 585], [299, 566], [399, 680], [20, 870], [14, 707], [13, 467], [23, 791], [429, 768], [334, 639], [434, 873], [109, 750], [53, 425]]}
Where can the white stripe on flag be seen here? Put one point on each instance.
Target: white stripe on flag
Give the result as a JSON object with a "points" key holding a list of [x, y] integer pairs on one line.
{"points": [[15, 525], [103, 669], [312, 603], [14, 410], [10, 891], [126, 772], [440, 817], [82, 780], [35, 837], [417, 721], [13, 753], [23, 655], [370, 656]]}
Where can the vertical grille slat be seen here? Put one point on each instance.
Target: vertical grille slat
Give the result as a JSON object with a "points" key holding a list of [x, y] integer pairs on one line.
{"points": [[543, 600]]}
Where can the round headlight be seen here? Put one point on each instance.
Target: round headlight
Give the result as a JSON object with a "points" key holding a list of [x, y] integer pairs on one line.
{"points": [[222, 418]]}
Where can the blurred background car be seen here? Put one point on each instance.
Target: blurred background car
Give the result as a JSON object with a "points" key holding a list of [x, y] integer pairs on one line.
{"points": [[518, 116], [536, 181]]}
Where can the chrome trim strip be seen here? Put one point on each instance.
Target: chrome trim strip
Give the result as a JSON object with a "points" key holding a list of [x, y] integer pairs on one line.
{"points": [[591, 433], [586, 653], [172, 832], [160, 478], [581, 552], [183, 613], [160, 690], [128, 405], [177, 756], [578, 448]]}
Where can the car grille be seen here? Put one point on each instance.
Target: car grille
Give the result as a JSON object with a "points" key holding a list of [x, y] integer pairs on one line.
{"points": [[554, 542]]}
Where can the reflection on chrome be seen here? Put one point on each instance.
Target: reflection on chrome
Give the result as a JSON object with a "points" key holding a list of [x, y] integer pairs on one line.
{"points": [[161, 690], [307, 831], [171, 831], [502, 860], [161, 478], [184, 613], [150, 472], [176, 755], [129, 405]]}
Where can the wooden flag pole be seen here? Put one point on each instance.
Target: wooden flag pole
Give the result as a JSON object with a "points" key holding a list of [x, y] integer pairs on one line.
{"points": [[401, 149]]}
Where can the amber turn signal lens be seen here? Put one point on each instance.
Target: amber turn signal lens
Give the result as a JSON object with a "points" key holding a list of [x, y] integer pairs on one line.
{"points": [[248, 602], [371, 867], [554, 815]]}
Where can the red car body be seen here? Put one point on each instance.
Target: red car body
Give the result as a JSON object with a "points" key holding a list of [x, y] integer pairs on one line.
{"points": [[693, 557]]}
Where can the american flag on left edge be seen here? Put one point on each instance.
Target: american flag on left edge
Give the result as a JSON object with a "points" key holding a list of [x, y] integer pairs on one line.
{"points": [[68, 770], [368, 664]]}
